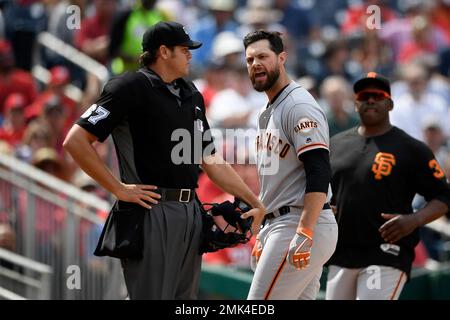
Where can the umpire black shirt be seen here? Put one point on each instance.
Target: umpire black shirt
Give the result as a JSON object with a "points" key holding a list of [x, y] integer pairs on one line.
{"points": [[374, 175], [160, 132]]}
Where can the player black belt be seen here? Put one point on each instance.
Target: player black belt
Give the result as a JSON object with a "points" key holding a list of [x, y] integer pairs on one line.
{"points": [[180, 195], [285, 210]]}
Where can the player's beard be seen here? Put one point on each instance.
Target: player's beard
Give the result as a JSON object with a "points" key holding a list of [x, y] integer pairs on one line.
{"points": [[272, 77]]}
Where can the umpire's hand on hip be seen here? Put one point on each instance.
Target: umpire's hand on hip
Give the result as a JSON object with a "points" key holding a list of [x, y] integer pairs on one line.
{"points": [[138, 193], [300, 248]]}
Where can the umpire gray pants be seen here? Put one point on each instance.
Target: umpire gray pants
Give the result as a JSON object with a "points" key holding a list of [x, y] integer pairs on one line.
{"points": [[170, 267]]}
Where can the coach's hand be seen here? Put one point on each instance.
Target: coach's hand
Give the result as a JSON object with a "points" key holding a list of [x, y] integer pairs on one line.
{"points": [[138, 193], [300, 249], [398, 226]]}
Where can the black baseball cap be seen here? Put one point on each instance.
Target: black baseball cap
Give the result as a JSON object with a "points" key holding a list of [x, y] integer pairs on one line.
{"points": [[167, 33], [372, 78]]}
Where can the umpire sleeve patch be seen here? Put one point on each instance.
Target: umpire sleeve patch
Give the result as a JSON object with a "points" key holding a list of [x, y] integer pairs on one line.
{"points": [[95, 113]]}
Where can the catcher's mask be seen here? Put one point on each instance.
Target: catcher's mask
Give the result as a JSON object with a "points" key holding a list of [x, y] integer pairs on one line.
{"points": [[215, 238]]}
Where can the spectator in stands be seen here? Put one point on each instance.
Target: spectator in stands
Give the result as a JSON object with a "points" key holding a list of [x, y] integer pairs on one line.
{"points": [[371, 53], [417, 103], [326, 14], [59, 79], [212, 80], [126, 34], [397, 32], [440, 16], [59, 16], [36, 136], [93, 36], [227, 48], [227, 51], [421, 42], [12, 79], [48, 160], [341, 115], [357, 16], [54, 117], [14, 125], [296, 19], [62, 25], [24, 20], [334, 61], [260, 14], [310, 84], [218, 19], [238, 104], [434, 138]]}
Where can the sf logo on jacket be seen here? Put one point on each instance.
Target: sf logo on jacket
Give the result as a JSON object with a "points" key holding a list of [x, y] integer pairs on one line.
{"points": [[383, 165]]}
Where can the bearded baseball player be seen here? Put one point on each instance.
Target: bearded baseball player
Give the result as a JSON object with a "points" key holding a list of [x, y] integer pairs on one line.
{"points": [[300, 232]]}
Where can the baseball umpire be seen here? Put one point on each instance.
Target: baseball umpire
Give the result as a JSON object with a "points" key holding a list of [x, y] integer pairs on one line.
{"points": [[376, 171], [292, 132], [157, 221]]}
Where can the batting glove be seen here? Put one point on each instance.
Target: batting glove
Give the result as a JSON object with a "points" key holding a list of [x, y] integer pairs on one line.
{"points": [[256, 254], [300, 249]]}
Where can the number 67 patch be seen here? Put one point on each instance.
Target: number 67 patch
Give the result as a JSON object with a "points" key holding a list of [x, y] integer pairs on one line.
{"points": [[100, 113]]}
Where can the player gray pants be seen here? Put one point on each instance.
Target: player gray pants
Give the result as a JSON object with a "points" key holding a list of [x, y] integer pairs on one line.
{"points": [[370, 283], [274, 277], [170, 268]]}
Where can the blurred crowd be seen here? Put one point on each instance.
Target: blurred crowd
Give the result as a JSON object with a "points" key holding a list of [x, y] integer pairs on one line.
{"points": [[330, 44]]}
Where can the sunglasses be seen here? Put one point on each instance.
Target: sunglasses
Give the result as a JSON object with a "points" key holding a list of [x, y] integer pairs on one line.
{"points": [[377, 95]]}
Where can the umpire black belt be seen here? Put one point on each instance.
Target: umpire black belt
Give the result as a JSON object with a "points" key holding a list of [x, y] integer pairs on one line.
{"points": [[285, 210], [180, 195]]}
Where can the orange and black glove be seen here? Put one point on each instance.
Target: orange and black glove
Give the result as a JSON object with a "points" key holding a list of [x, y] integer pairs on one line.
{"points": [[300, 249]]}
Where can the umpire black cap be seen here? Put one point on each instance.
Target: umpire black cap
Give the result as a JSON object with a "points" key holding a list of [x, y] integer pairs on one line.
{"points": [[167, 33], [372, 78]]}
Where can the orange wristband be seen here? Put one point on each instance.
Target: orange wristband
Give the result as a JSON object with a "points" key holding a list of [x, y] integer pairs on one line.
{"points": [[307, 232]]}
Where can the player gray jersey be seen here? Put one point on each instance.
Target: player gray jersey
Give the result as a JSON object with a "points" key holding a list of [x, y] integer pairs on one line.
{"points": [[293, 124]]}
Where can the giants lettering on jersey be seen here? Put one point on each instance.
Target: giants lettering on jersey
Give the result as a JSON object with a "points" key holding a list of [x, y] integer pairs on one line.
{"points": [[269, 141], [305, 125]]}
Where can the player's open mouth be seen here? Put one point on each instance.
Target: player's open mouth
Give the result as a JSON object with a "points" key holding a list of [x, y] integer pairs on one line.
{"points": [[260, 75]]}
